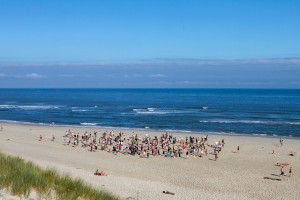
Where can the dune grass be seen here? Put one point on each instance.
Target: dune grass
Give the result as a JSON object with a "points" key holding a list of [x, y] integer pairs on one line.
{"points": [[21, 178]]}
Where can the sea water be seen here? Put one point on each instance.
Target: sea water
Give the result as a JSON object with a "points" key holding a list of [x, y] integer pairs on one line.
{"points": [[264, 112]]}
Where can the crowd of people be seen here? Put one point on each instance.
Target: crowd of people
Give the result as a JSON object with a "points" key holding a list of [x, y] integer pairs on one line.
{"points": [[145, 146], [166, 145]]}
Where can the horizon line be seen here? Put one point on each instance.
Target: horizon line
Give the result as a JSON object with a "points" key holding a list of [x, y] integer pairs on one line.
{"points": [[280, 60]]}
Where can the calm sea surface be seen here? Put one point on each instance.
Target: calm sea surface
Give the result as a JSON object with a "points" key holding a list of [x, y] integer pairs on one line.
{"points": [[226, 111]]}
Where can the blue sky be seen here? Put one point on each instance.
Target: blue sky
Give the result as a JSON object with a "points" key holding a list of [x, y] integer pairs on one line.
{"points": [[150, 43]]}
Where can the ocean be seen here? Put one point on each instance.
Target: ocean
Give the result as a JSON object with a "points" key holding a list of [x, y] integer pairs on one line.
{"points": [[257, 112]]}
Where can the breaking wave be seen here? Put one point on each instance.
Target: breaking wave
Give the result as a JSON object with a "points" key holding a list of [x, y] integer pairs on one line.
{"points": [[88, 124], [247, 122], [155, 111], [29, 107]]}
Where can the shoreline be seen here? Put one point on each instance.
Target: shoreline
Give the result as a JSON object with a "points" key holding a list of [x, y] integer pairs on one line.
{"points": [[232, 176], [150, 130]]}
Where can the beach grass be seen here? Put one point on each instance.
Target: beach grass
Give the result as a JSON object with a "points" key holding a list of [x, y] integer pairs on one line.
{"points": [[21, 178]]}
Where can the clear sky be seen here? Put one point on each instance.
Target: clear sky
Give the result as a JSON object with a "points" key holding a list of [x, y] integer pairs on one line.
{"points": [[166, 41]]}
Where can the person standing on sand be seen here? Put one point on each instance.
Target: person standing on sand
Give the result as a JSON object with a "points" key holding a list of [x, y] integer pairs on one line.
{"points": [[282, 170], [238, 149], [1, 128], [281, 142], [290, 172]]}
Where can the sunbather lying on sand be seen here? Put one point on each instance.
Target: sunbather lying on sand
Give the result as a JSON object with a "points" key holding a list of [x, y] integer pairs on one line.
{"points": [[282, 164], [167, 192], [101, 173], [275, 179]]}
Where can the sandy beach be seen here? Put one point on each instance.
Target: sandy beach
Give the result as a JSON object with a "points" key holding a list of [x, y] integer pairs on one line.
{"points": [[233, 176]]}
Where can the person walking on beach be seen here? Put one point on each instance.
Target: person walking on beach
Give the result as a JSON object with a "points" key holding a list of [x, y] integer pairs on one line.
{"points": [[282, 170], [281, 142], [205, 138], [216, 156], [290, 172], [1, 128]]}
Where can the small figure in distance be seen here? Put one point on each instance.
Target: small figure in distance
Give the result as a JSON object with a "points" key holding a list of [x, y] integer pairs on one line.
{"points": [[167, 192], [281, 142], [282, 170], [100, 173], [292, 153], [282, 164]]}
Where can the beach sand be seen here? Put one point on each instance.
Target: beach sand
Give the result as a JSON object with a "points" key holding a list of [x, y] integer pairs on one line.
{"points": [[232, 176]]}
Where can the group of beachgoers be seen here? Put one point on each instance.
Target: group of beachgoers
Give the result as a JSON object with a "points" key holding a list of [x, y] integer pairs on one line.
{"points": [[284, 164], [166, 145], [145, 146]]}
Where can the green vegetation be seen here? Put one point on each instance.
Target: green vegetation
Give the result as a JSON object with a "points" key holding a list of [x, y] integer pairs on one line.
{"points": [[21, 177]]}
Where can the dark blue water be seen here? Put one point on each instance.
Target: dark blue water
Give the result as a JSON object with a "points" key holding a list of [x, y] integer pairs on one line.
{"points": [[226, 111]]}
